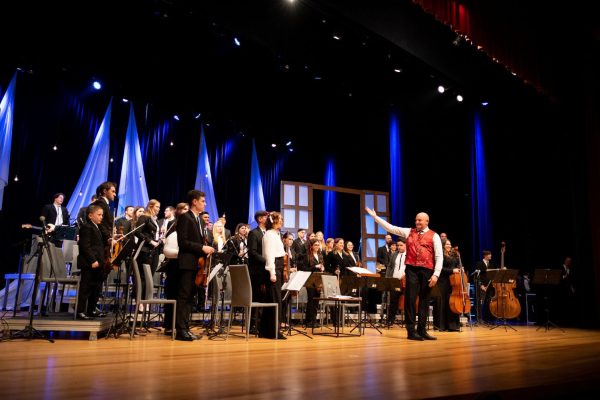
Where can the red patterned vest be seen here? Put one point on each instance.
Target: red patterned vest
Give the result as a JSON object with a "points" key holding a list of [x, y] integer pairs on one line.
{"points": [[419, 249]]}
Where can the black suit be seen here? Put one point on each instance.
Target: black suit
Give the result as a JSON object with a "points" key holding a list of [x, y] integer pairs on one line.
{"points": [[482, 310], [91, 249], [190, 241], [299, 246], [123, 224], [49, 212], [107, 221], [256, 262], [394, 296], [383, 255]]}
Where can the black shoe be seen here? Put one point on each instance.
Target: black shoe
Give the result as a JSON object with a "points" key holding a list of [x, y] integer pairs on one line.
{"points": [[427, 336], [98, 313], [194, 336], [168, 332], [84, 316], [184, 336], [415, 336], [281, 336], [453, 330], [253, 330]]}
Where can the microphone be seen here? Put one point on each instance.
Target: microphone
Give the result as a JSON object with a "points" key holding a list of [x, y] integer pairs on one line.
{"points": [[43, 220], [476, 272]]}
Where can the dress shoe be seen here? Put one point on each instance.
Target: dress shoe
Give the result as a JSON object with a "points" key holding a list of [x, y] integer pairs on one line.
{"points": [[453, 330], [184, 336], [281, 336], [84, 316], [194, 336], [415, 336], [427, 336], [98, 313]]}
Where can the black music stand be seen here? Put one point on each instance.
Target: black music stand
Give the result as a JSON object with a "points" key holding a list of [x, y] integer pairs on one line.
{"points": [[295, 282], [547, 278], [314, 281], [389, 285], [29, 332], [504, 276], [213, 331], [122, 319], [364, 282]]}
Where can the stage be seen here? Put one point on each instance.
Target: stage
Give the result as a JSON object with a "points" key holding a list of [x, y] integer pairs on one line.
{"points": [[475, 363]]}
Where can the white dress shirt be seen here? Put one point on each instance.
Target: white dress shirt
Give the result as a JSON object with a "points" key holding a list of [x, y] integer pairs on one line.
{"points": [[272, 247]]}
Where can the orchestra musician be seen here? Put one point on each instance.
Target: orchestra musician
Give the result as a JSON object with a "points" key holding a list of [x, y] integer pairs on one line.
{"points": [[273, 253], [171, 267], [124, 224], [56, 215], [395, 269], [148, 232], [447, 320], [106, 192], [191, 241], [314, 263], [240, 244], [424, 259], [256, 262], [90, 261]]}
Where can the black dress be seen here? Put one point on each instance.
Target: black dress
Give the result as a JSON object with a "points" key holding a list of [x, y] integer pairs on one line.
{"points": [[447, 319]]}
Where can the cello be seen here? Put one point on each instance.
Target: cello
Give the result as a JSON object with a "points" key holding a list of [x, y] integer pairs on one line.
{"points": [[460, 303], [504, 304]]}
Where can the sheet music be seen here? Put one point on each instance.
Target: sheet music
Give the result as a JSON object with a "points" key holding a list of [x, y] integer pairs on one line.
{"points": [[359, 270], [296, 281], [214, 271]]}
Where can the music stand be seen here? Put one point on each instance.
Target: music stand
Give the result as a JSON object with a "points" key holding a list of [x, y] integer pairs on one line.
{"points": [[122, 317], [364, 282], [64, 232], [547, 278], [29, 332], [219, 271], [502, 276], [296, 282]]}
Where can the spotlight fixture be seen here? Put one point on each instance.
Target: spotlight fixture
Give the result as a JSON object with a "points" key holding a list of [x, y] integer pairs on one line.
{"points": [[97, 85], [459, 98], [16, 178], [273, 145], [237, 42], [289, 143], [441, 89], [291, 150], [197, 115], [124, 100], [176, 117], [171, 144], [55, 147], [397, 70], [337, 37], [80, 194], [112, 159], [484, 103]]}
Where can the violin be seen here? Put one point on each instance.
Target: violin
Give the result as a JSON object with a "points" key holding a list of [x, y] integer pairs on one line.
{"points": [[460, 303], [201, 279], [115, 250]]}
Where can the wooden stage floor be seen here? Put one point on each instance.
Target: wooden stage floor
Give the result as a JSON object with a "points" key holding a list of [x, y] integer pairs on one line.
{"points": [[478, 363]]}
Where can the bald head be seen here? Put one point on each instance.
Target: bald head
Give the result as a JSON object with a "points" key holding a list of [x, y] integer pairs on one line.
{"points": [[421, 221]]}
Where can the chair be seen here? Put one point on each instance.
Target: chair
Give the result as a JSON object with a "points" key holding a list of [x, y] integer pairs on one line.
{"points": [[331, 288], [148, 299], [241, 296], [56, 273]]}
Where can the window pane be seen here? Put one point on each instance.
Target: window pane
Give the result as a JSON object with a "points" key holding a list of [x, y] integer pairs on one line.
{"points": [[371, 248], [289, 218], [381, 203], [289, 195], [369, 198], [303, 219], [371, 266], [370, 224], [303, 196], [380, 230]]}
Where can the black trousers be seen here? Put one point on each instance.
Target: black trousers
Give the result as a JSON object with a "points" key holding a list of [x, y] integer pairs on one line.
{"points": [[273, 295], [417, 284], [185, 298], [90, 288]]}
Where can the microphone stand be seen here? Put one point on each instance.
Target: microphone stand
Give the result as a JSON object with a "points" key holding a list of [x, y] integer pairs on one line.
{"points": [[29, 332]]}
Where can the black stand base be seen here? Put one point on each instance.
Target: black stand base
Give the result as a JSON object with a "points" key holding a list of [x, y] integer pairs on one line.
{"points": [[289, 330], [29, 332], [502, 322]]}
